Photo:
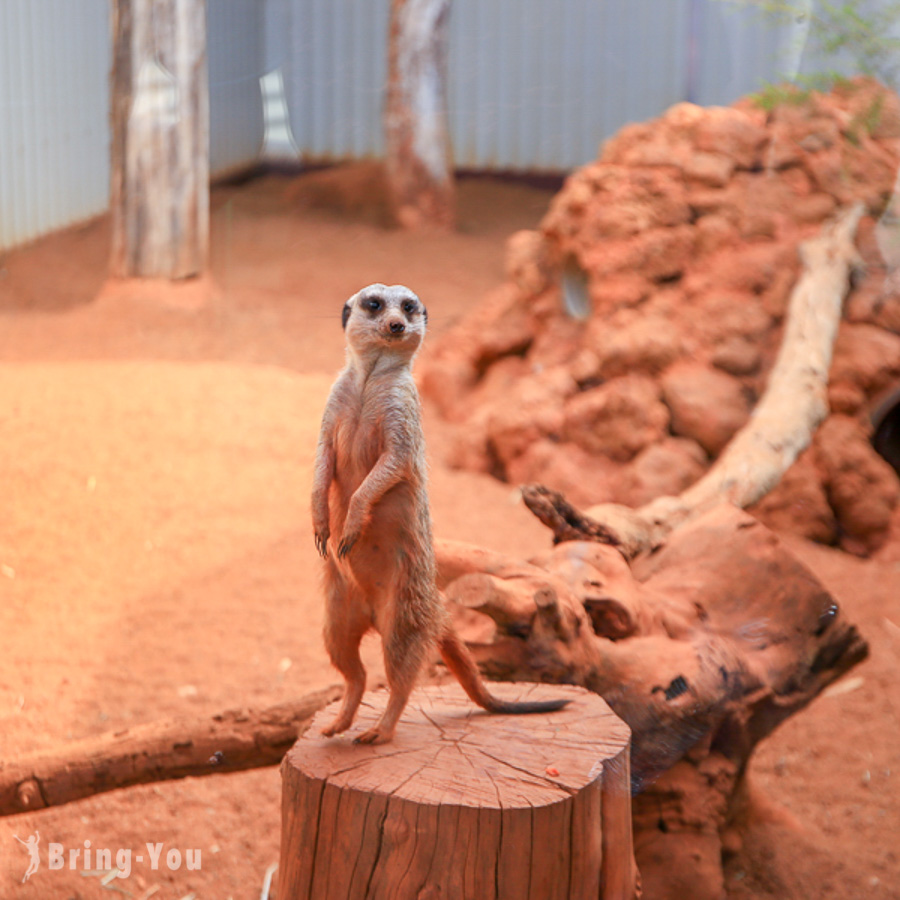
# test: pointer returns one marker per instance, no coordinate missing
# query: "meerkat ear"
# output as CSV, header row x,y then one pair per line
x,y
425,313
345,314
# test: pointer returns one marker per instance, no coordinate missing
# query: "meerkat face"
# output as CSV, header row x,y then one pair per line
x,y
385,318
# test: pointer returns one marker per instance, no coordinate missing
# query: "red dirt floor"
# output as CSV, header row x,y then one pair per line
x,y
156,554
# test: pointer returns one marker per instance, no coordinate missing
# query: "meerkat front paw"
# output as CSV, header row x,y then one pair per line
x,y
348,539
322,542
354,525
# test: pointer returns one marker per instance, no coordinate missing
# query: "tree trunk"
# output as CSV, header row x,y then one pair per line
x,y
159,751
419,166
462,804
160,139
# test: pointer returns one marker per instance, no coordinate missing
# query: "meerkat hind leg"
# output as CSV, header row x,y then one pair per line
x,y
400,689
349,664
404,655
342,639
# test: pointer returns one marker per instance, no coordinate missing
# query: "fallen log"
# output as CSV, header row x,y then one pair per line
x,y
159,751
781,427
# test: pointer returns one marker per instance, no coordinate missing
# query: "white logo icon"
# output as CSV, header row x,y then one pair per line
x,y
31,845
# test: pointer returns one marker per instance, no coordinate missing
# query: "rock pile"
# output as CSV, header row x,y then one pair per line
x,y
637,326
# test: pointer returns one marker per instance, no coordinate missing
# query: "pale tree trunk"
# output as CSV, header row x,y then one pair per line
x,y
419,164
160,139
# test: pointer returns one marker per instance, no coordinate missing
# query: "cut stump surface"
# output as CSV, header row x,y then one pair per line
x,y
462,803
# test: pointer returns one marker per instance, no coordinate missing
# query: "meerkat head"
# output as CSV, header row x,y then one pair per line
x,y
383,319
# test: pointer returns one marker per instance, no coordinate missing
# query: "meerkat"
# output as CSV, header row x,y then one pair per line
x,y
372,521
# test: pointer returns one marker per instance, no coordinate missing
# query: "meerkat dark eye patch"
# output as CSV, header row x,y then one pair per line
x,y
410,307
373,304
345,314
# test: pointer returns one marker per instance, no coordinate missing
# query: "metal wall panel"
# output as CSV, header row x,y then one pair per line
x,y
54,106
739,49
54,115
532,84
334,61
235,45
537,84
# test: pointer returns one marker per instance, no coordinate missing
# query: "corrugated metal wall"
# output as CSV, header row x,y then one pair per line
x,y
54,115
54,106
533,84
734,50
333,55
235,45
536,84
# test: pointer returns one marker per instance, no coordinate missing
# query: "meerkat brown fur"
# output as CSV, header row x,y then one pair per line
x,y
372,521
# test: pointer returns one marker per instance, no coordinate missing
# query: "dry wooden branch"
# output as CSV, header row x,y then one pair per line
x,y
159,751
783,422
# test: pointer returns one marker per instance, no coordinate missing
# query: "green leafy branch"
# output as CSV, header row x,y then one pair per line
x,y
867,32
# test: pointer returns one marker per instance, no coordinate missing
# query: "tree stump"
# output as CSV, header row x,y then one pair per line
x,y
462,803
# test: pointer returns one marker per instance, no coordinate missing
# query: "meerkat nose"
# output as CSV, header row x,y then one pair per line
x,y
397,328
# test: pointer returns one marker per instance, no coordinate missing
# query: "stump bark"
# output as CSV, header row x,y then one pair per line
x,y
462,804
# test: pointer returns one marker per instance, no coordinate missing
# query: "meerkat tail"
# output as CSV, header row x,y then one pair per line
x,y
460,662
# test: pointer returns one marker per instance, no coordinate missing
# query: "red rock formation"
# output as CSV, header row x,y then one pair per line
x,y
649,305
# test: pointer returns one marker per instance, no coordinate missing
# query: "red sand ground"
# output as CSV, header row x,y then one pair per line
x,y
156,557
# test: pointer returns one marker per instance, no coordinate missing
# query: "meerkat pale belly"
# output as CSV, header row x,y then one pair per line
x,y
371,516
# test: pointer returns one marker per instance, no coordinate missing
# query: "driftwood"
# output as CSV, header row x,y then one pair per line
x,y
782,425
722,616
462,804
160,751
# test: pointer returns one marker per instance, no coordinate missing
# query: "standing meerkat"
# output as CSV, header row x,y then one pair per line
x,y
370,494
